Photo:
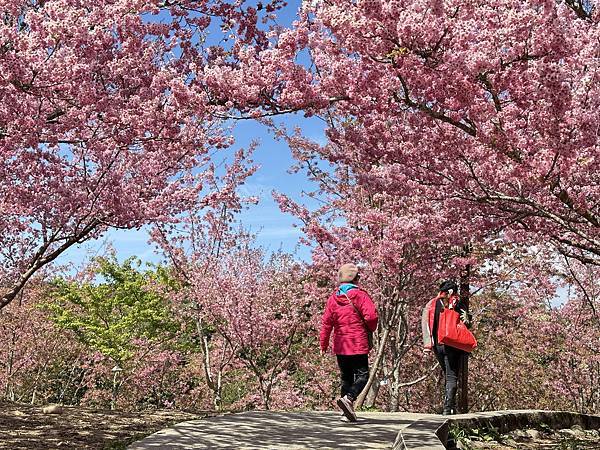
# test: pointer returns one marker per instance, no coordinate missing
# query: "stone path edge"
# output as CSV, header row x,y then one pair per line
x,y
432,433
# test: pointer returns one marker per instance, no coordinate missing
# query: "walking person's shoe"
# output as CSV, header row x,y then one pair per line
x,y
450,402
347,407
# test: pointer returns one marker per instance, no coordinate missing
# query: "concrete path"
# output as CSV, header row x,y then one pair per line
x,y
282,430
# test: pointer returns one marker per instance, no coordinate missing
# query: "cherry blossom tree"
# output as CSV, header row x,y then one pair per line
x,y
105,120
489,108
249,309
38,363
577,328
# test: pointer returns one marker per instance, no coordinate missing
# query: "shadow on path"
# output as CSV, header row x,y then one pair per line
x,y
275,430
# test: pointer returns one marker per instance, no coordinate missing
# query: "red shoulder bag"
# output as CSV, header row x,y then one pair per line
x,y
453,332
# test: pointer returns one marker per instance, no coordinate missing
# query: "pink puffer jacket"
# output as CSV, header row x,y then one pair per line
x,y
349,332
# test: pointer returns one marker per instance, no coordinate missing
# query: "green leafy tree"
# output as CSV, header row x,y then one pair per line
x,y
119,311
115,309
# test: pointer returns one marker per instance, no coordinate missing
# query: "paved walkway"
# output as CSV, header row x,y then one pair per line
x,y
282,430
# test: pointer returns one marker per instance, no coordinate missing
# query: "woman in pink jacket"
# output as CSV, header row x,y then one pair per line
x,y
351,314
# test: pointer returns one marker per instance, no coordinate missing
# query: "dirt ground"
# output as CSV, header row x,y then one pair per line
x,y
543,439
27,427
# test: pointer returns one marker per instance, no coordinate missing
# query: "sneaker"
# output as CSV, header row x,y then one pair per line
x,y
343,418
347,407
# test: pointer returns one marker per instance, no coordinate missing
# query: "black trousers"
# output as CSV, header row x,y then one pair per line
x,y
449,359
354,371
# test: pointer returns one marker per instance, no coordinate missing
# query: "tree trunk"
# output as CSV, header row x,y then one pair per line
x,y
463,378
219,390
208,375
395,389
113,400
41,258
10,392
372,394
374,368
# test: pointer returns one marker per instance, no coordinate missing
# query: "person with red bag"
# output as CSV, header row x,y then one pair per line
x,y
448,356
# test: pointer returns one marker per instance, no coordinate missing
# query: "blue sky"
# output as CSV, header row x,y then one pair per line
x,y
274,230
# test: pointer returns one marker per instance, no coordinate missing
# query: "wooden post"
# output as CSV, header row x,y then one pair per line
x,y
463,377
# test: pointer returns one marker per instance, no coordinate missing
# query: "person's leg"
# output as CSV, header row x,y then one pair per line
x,y
452,359
346,374
440,354
360,374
